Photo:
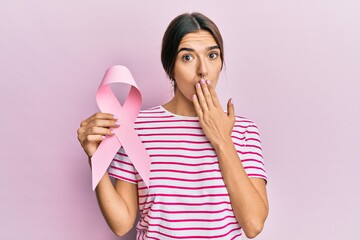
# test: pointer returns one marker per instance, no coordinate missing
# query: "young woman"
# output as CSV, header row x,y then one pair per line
x,y
207,175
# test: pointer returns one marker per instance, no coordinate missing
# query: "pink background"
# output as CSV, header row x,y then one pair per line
x,y
291,66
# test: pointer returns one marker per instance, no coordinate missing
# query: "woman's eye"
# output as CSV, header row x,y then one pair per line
x,y
213,55
187,58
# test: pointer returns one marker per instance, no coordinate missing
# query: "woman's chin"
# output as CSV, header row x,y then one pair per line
x,y
187,96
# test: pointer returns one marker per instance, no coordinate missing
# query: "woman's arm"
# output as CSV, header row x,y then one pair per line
x,y
118,202
248,197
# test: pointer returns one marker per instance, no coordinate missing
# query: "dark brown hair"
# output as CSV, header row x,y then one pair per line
x,y
177,29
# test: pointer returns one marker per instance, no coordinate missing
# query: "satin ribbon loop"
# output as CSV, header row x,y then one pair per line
x,y
125,135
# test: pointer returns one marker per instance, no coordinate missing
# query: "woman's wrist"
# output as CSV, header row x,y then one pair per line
x,y
222,145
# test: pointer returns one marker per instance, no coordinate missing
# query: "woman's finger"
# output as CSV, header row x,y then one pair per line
x,y
197,106
99,115
206,93
99,131
94,138
201,98
213,94
103,123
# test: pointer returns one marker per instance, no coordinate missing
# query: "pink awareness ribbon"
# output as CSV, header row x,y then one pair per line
x,y
125,135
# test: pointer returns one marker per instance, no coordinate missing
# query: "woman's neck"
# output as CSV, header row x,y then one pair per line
x,y
180,105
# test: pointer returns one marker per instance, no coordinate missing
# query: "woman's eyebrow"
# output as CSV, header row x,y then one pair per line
x,y
192,50
213,47
186,49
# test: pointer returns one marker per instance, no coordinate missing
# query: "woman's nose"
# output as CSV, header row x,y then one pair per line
x,y
202,70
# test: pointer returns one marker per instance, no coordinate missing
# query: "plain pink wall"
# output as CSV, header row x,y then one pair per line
x,y
291,66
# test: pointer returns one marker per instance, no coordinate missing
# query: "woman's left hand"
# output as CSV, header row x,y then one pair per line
x,y
216,124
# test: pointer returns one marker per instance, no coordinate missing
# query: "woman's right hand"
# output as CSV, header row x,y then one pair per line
x,y
94,129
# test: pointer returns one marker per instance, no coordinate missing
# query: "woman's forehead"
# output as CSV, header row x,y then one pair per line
x,y
198,39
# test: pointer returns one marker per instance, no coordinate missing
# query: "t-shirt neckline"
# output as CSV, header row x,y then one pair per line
x,y
178,116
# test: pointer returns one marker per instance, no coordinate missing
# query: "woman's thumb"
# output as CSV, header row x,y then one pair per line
x,y
230,108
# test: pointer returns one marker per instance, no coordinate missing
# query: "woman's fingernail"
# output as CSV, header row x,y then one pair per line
x,y
117,123
103,137
198,85
202,81
115,117
112,131
208,82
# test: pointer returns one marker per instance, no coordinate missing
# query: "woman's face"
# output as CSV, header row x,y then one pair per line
x,y
198,57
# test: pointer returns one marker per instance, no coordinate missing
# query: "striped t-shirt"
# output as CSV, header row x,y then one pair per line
x,y
187,197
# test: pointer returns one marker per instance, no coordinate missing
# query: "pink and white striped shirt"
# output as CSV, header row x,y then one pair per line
x,y
187,197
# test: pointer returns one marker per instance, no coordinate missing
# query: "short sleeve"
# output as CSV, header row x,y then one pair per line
x,y
246,138
122,168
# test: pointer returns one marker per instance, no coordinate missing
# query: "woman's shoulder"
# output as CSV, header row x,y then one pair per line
x,y
245,126
244,121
